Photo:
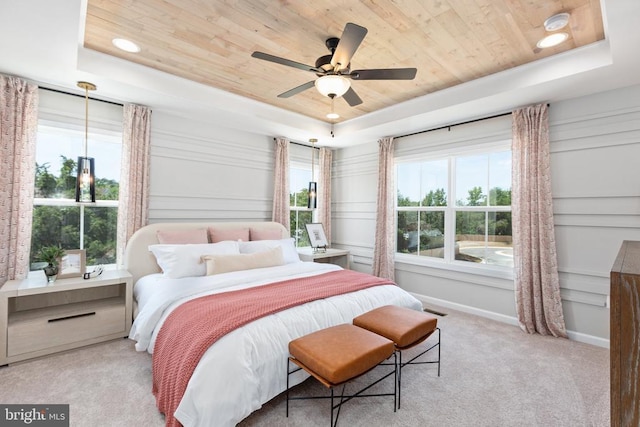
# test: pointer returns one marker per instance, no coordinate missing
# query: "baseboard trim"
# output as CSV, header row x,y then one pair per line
x,y
575,336
588,339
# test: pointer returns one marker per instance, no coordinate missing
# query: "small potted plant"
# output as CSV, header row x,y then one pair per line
x,y
52,256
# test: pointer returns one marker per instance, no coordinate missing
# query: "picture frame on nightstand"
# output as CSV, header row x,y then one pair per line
x,y
72,264
317,238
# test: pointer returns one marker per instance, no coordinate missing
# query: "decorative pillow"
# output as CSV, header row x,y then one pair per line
x,y
177,261
217,264
182,237
289,251
222,234
265,234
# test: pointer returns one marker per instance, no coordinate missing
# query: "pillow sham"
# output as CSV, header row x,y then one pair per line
x,y
182,237
217,264
222,234
177,261
265,234
289,251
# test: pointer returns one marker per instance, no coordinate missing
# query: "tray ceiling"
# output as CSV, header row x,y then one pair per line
x,y
449,41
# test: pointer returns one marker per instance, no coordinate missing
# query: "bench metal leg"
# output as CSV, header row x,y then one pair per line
x,y
411,362
345,399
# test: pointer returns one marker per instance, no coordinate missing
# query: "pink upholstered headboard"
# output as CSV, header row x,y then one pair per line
x,y
140,262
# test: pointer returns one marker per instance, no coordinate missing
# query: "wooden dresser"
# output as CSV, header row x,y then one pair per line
x,y
625,336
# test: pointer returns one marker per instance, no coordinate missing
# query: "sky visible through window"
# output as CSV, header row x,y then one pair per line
x,y
471,172
106,149
298,179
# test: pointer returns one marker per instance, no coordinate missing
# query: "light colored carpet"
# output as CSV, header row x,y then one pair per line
x,y
492,375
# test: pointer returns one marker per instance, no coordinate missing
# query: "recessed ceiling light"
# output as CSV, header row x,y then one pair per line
x,y
556,22
552,40
333,116
126,45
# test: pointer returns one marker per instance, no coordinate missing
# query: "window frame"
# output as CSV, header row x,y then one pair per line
x,y
98,130
293,164
449,262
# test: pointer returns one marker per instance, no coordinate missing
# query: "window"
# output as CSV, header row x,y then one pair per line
x,y
299,177
456,208
57,218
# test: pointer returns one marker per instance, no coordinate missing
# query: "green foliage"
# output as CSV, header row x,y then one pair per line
x,y
431,223
499,197
475,198
59,226
300,199
405,201
299,219
51,254
46,183
435,198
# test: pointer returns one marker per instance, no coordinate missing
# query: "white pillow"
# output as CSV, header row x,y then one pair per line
x,y
217,264
177,261
289,252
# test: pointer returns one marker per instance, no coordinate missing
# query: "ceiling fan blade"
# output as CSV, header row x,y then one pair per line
x,y
296,90
287,62
351,38
384,74
352,97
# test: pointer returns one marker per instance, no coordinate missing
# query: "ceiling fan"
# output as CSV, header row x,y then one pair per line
x,y
334,72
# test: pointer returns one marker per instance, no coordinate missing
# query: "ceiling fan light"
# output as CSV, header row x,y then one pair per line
x,y
333,85
552,40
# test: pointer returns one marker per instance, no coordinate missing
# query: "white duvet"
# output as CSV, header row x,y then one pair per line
x,y
247,367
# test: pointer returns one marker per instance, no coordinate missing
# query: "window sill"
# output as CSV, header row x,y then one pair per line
x,y
498,272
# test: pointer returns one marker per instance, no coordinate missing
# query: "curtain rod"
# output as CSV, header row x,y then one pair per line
x,y
79,95
457,124
301,144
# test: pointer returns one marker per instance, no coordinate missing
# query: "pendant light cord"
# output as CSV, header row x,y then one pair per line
x,y
87,87
86,121
313,160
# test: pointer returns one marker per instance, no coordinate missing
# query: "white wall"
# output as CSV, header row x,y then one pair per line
x,y
595,144
202,172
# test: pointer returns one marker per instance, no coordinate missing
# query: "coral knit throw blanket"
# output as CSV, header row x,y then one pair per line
x,y
195,325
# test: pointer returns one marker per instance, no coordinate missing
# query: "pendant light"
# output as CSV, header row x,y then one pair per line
x,y
313,186
86,178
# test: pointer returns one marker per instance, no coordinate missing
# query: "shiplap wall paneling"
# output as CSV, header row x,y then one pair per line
x,y
201,172
595,145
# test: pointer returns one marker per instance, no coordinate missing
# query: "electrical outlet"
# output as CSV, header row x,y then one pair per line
x,y
607,303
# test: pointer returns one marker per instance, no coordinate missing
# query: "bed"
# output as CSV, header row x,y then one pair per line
x,y
244,368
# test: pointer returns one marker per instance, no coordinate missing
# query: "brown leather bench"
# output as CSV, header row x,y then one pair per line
x,y
406,328
337,355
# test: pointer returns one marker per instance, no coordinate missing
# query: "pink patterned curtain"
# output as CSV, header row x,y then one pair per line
x,y
18,131
133,206
280,210
383,252
537,286
324,190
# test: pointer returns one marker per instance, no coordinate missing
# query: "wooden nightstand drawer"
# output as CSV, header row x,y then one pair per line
x,y
39,318
34,330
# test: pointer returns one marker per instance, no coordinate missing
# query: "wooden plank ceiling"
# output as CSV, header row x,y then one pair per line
x,y
448,41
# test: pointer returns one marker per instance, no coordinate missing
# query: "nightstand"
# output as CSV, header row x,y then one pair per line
x,y
39,318
334,256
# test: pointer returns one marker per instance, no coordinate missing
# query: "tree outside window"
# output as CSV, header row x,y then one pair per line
x,y
57,219
456,208
300,215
